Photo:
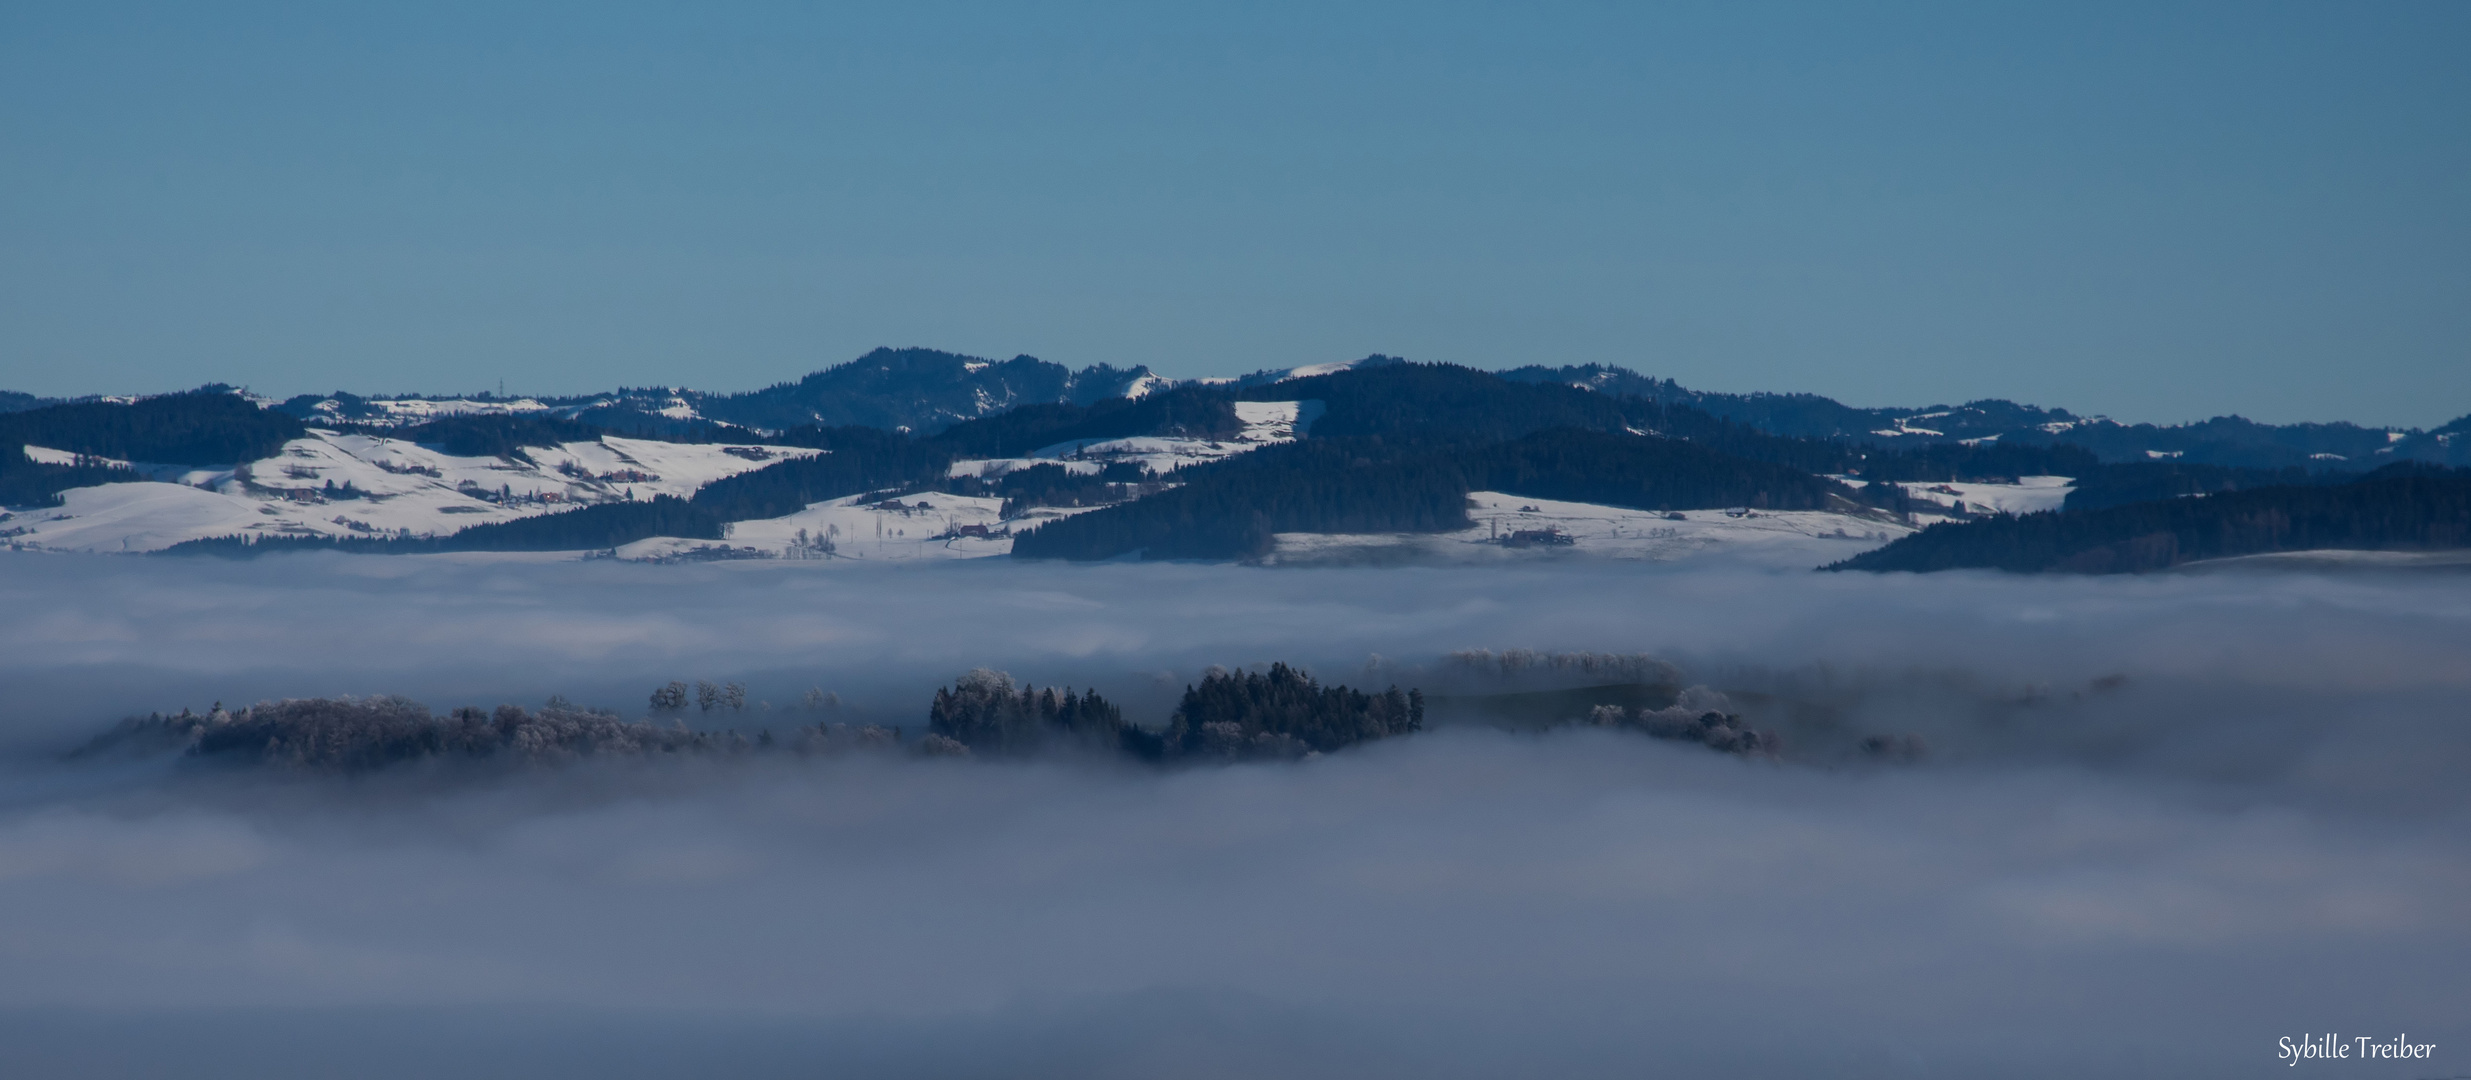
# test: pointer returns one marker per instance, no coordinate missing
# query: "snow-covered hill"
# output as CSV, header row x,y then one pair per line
x,y
1266,423
331,484
1512,528
923,527
2027,495
937,526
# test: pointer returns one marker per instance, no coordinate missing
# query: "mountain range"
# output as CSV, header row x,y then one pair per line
x,y
927,454
925,391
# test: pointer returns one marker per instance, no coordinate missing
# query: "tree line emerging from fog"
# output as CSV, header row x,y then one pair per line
x,y
1281,714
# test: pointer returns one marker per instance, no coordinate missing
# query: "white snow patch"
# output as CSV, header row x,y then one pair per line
x,y
2027,495
191,475
44,455
1147,385
1309,370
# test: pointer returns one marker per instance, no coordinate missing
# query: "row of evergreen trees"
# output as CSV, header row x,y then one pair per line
x,y
1279,714
1284,713
982,713
360,735
27,482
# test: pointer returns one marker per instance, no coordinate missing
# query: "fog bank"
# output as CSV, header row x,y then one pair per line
x,y
2162,822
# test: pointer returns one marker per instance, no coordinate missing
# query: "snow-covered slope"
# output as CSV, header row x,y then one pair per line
x,y
1265,423
940,526
1792,538
1269,376
330,484
2027,495
927,526
405,412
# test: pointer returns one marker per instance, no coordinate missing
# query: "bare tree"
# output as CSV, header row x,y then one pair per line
x,y
706,695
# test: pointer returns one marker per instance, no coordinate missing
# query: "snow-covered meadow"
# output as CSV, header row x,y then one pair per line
x,y
342,485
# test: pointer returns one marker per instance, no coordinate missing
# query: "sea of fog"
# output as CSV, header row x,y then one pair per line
x,y
2163,823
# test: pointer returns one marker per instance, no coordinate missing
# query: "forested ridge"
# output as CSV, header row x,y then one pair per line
x,y
207,426
1409,399
1230,509
2145,481
2400,507
1371,484
27,482
1284,713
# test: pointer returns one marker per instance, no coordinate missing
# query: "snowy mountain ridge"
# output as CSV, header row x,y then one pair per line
x,y
924,391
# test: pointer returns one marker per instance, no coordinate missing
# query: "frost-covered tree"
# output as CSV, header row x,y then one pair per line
x,y
670,698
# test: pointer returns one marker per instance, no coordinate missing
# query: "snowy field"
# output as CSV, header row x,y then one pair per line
x,y
1796,539
2028,495
2190,812
930,526
406,412
394,487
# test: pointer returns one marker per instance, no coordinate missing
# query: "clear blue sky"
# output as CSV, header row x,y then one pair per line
x,y
2154,211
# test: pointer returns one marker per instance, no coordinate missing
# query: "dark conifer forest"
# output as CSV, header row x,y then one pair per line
x,y
27,482
2400,508
982,713
1279,714
1284,713
207,426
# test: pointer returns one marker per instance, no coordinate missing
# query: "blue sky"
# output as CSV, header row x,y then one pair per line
x,y
2159,212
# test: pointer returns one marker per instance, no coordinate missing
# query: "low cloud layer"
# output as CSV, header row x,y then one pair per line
x,y
2162,822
